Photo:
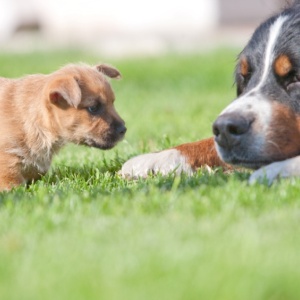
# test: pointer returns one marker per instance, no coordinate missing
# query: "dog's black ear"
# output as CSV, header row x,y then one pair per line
x,y
291,3
109,71
65,90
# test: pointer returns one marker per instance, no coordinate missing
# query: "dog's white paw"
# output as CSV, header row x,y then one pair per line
x,y
282,169
164,162
266,174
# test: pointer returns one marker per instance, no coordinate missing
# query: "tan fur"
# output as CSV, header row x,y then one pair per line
x,y
41,113
244,66
282,65
283,137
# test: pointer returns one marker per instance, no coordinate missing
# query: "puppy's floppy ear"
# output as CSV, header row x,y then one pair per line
x,y
65,90
109,71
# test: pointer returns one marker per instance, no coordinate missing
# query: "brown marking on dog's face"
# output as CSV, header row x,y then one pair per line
x,y
283,137
282,65
92,120
243,72
244,66
202,153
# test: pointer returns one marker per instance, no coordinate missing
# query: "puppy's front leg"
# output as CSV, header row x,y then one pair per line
x,y
184,158
10,174
283,169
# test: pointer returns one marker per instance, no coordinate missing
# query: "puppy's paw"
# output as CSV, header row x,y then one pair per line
x,y
281,169
164,162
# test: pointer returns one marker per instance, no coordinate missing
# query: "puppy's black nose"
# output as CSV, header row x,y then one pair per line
x,y
230,128
121,129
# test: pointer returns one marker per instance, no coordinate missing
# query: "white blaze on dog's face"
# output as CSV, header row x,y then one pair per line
x,y
262,125
81,101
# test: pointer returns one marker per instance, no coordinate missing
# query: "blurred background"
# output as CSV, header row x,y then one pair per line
x,y
131,27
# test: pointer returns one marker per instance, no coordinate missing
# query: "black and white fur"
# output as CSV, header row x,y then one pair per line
x,y
261,127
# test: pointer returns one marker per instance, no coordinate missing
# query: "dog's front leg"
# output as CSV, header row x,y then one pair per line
x,y
281,169
10,173
184,158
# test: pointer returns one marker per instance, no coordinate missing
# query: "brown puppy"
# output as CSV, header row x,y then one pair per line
x,y
41,113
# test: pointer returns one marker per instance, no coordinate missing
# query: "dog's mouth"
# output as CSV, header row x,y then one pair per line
x,y
101,146
104,144
252,160
249,164
245,161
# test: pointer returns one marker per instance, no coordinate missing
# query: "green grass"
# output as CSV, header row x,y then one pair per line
x,y
84,233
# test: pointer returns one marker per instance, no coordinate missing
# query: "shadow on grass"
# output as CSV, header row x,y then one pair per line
x,y
91,182
106,177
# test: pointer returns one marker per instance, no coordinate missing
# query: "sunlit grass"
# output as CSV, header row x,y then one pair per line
x,y
82,232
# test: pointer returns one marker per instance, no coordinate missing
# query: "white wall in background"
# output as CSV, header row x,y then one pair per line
x,y
76,19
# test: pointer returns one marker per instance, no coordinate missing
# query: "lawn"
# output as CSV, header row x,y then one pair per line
x,y
84,233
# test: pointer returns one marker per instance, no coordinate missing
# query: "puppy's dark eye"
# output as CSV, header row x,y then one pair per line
x,y
95,109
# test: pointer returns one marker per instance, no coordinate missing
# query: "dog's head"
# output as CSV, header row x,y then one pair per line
x,y
81,103
263,124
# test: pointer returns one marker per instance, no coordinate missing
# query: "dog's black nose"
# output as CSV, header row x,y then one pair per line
x,y
121,129
229,129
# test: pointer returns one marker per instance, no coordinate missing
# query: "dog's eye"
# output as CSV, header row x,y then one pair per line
x,y
241,82
291,80
95,109
246,77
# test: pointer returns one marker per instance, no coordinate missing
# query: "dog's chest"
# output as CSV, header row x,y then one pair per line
x,y
33,166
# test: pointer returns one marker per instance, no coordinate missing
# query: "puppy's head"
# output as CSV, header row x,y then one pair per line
x,y
81,103
263,124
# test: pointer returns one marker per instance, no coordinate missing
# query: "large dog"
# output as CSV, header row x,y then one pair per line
x,y
261,128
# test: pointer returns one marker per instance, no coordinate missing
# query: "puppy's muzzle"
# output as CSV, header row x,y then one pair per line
x,y
121,130
230,129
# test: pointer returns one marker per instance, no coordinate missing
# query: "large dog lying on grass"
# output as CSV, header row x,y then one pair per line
x,y
261,128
